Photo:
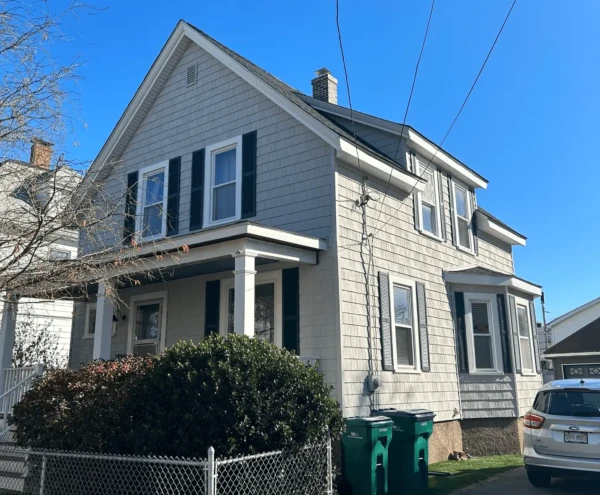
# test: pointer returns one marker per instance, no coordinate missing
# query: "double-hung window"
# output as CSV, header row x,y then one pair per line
x,y
428,201
523,322
223,175
152,206
462,216
404,317
483,333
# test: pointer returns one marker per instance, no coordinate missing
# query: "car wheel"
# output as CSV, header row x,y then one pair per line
x,y
539,478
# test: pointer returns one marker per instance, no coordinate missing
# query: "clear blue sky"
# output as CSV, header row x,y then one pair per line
x,y
530,127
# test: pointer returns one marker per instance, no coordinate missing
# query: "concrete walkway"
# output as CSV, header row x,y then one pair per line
x,y
515,482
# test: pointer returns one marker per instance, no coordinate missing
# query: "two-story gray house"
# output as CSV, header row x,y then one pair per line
x,y
271,195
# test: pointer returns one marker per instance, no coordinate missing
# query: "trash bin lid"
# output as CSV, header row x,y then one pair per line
x,y
415,414
369,419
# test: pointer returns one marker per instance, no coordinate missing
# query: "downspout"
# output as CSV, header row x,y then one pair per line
x,y
460,409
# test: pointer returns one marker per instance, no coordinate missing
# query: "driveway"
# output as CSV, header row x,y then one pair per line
x,y
515,483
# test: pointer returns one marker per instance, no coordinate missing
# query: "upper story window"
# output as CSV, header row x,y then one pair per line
x,y
462,216
523,322
403,311
483,333
223,177
152,206
428,201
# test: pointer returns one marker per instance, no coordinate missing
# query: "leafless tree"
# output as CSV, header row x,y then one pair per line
x,y
36,343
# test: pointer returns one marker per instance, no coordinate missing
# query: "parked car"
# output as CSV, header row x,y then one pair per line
x,y
562,431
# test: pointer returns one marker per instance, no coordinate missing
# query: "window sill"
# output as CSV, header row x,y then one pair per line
x,y
401,371
222,222
433,237
529,373
465,250
146,240
87,337
486,373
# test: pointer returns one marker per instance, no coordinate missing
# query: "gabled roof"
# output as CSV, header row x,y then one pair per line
x,y
573,312
584,340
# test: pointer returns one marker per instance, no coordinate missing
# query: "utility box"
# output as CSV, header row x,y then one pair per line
x,y
365,454
409,449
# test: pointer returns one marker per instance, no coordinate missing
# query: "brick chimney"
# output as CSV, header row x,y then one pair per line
x,y
325,86
41,153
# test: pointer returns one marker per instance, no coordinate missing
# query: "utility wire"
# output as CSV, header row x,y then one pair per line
x,y
438,147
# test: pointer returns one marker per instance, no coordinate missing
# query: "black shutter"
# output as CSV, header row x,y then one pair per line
x,y
512,306
453,231
130,208
212,299
291,309
474,222
440,176
249,174
386,322
197,194
173,196
534,331
461,332
504,335
423,330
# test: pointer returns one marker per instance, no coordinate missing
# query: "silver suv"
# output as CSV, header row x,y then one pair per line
x,y
562,432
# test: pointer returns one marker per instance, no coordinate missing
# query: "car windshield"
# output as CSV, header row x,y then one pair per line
x,y
569,403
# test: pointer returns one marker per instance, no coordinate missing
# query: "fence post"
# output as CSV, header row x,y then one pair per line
x,y
43,476
329,466
211,473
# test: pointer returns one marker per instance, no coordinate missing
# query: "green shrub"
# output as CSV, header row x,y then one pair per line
x,y
237,394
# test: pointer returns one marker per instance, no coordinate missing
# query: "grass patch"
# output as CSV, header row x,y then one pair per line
x,y
469,472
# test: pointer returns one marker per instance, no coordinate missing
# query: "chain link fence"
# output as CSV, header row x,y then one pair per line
x,y
306,471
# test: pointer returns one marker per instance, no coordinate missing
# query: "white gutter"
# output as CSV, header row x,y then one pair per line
x,y
572,354
494,229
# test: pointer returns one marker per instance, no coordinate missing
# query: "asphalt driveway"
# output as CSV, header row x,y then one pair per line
x,y
515,483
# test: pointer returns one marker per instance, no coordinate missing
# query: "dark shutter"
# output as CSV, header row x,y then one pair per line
x,y
212,299
534,331
291,309
453,231
461,332
130,208
440,177
173,196
423,329
249,175
386,322
474,222
504,335
197,194
512,306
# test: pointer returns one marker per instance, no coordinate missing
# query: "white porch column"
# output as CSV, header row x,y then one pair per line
x,y
243,322
104,324
7,337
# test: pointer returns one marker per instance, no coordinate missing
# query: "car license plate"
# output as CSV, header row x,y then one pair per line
x,y
573,437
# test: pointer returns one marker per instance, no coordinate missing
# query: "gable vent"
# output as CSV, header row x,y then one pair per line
x,y
191,75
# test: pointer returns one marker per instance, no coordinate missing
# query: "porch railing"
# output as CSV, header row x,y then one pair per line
x,y
16,383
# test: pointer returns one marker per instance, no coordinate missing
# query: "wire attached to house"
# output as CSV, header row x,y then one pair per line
x,y
438,147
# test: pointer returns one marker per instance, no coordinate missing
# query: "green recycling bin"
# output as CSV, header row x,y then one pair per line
x,y
409,449
365,454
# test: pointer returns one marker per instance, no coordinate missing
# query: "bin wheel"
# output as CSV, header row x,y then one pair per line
x,y
344,487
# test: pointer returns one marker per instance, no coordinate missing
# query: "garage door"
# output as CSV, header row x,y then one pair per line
x,y
581,370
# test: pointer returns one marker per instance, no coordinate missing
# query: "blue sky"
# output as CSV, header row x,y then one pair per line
x,y
530,126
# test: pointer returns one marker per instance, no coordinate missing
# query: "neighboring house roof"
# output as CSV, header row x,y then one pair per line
x,y
573,312
586,340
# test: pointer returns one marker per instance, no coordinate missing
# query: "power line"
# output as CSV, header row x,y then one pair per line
x,y
438,147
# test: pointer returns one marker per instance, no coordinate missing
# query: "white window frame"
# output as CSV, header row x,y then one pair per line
x,y
260,278
53,251
209,174
88,310
456,184
141,200
494,322
134,301
525,303
409,284
438,219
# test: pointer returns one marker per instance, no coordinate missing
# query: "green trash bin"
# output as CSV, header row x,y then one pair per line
x,y
409,449
365,454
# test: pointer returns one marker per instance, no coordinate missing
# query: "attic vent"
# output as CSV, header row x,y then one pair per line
x,y
191,75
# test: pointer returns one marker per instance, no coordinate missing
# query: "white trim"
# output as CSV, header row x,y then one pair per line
x,y
86,332
494,229
377,169
573,354
493,280
150,296
141,201
411,285
210,152
437,206
455,217
495,338
573,312
524,303
274,277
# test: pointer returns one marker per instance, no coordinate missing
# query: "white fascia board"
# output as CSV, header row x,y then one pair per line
x,y
375,168
428,150
572,354
496,230
573,312
492,280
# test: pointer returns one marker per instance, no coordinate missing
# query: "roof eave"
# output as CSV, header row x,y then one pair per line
x,y
497,230
510,281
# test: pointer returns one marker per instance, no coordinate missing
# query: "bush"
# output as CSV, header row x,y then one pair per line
x,y
237,394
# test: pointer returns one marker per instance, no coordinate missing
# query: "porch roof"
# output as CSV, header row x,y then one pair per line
x,y
479,275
